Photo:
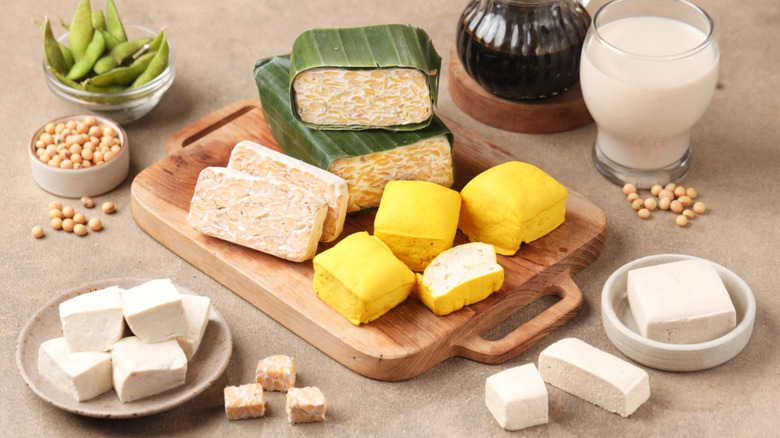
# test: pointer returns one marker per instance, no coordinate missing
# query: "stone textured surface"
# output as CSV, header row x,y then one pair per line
x,y
736,163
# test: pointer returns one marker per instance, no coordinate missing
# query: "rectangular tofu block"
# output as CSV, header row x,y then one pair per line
x,y
245,401
82,375
141,370
93,321
273,217
276,373
197,310
262,162
305,405
154,311
517,397
680,302
595,376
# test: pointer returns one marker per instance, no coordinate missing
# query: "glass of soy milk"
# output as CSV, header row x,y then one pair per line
x,y
648,72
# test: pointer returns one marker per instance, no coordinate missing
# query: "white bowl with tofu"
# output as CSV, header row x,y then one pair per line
x,y
622,329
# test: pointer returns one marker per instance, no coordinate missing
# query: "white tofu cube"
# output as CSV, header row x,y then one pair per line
x,y
196,310
517,397
594,376
154,311
93,321
680,302
82,375
141,370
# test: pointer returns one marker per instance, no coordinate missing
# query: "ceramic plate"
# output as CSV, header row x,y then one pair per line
x,y
204,369
622,330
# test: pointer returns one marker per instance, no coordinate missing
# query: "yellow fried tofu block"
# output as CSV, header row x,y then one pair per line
x,y
462,275
510,204
360,278
417,220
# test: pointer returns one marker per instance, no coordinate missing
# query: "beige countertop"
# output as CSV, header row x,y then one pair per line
x,y
736,164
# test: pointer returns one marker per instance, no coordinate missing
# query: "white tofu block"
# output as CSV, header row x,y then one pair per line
x,y
154,311
680,302
196,311
517,397
93,321
141,370
82,375
595,376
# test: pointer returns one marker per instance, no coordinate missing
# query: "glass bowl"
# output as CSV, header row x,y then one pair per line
x,y
122,107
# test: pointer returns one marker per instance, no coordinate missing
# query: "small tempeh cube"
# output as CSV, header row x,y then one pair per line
x,y
245,401
305,405
276,373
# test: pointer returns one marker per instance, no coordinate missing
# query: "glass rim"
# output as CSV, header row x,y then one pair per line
x,y
708,40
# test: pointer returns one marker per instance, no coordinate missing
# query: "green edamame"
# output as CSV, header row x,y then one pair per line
x,y
156,66
67,54
64,79
93,52
111,40
157,41
51,50
119,54
123,75
98,20
114,23
80,29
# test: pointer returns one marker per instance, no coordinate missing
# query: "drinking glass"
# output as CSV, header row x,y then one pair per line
x,y
648,72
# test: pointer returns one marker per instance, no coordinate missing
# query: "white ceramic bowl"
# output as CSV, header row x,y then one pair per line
x,y
622,330
90,181
122,107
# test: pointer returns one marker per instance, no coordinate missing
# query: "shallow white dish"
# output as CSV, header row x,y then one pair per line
x,y
208,364
622,330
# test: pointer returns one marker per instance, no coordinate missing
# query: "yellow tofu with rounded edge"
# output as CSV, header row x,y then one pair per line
x,y
360,278
462,275
417,220
510,204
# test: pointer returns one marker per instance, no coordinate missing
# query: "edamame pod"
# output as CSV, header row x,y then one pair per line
x,y
51,50
80,31
119,54
123,75
67,54
111,41
114,23
157,41
98,20
84,65
64,79
156,66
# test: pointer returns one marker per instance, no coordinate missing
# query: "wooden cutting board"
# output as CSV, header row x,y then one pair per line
x,y
409,339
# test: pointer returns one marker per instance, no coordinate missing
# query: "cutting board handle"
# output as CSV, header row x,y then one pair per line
x,y
473,346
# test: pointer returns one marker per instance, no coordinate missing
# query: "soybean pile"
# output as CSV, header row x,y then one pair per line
x,y
100,58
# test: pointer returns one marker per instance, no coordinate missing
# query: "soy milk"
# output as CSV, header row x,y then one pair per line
x,y
646,96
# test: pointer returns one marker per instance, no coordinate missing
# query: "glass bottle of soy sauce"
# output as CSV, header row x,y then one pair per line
x,y
522,49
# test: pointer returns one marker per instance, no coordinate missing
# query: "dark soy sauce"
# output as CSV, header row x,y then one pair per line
x,y
536,56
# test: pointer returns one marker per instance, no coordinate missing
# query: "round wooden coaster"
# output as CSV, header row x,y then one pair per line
x,y
555,114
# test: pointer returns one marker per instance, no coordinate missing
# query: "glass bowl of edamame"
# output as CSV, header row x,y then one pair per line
x,y
125,102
